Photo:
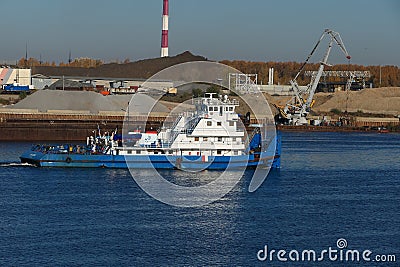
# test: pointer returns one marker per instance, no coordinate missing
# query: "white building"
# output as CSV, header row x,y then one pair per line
x,y
10,76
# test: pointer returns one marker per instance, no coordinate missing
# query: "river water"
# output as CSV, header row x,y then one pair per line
x,y
331,186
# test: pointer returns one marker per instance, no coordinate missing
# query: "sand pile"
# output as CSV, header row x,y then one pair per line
x,y
377,100
46,100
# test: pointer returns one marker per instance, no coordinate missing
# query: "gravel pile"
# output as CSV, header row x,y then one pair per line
x,y
377,100
45,100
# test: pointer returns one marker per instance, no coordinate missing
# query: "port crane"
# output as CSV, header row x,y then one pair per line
x,y
296,109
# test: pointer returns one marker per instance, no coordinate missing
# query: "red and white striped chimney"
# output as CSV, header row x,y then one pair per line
x,y
164,36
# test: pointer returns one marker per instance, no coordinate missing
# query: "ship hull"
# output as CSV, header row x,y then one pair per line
x,y
41,159
269,158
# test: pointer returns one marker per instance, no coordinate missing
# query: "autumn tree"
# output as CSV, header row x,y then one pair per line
x,y
78,62
285,71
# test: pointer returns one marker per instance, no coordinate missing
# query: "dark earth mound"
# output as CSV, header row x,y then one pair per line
x,y
142,69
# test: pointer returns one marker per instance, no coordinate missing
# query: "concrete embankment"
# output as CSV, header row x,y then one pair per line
x,y
62,127
310,128
45,131
74,127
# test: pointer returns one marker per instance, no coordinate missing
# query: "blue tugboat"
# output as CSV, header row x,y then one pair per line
x,y
207,138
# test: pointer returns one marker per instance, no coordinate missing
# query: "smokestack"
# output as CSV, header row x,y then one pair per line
x,y
272,76
164,36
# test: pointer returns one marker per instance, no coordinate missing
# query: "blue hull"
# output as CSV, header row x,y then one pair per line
x,y
146,162
90,160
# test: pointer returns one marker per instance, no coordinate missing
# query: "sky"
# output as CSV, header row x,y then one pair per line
x,y
251,30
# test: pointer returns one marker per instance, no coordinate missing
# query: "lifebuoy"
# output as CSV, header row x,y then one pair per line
x,y
68,160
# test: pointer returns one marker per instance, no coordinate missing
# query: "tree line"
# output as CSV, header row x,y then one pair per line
x,y
381,76
83,62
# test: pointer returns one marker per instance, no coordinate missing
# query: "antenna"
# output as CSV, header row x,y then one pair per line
x,y
69,57
26,54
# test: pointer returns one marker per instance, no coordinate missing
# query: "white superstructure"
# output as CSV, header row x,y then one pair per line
x,y
211,130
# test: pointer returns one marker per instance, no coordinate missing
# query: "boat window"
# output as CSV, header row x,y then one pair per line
x,y
219,152
231,123
215,108
220,110
230,108
209,123
205,138
129,151
196,139
235,152
218,123
219,139
138,151
210,108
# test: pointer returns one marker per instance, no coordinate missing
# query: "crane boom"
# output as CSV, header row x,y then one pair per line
x,y
335,36
301,107
310,55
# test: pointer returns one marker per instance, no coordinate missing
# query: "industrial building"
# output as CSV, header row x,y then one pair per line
x,y
10,75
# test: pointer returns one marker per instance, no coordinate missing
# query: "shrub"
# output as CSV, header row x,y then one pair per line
x,y
197,92
22,95
336,111
4,101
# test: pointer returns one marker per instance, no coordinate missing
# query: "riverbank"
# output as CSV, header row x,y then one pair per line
x,y
76,127
311,128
